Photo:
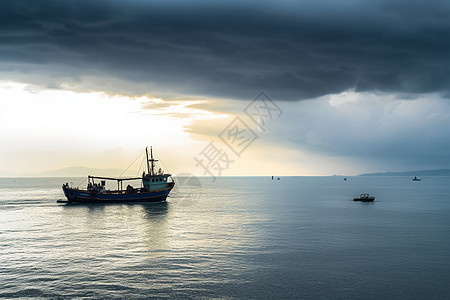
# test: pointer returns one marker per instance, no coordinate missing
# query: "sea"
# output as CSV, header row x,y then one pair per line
x,y
232,238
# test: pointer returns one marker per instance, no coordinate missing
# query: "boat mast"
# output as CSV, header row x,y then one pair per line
x,y
152,160
148,166
151,171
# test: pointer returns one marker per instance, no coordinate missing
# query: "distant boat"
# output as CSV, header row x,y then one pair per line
x,y
416,179
345,178
364,198
156,186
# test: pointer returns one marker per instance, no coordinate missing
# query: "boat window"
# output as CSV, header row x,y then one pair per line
x,y
153,179
165,179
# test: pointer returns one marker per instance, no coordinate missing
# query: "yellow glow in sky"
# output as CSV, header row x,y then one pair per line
x,y
56,129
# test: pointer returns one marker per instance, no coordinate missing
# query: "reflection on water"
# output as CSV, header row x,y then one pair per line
x,y
158,209
243,238
110,227
156,227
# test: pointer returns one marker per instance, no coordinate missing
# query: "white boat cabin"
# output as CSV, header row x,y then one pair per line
x,y
155,182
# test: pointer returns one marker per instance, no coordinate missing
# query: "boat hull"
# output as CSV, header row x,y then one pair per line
x,y
84,196
370,199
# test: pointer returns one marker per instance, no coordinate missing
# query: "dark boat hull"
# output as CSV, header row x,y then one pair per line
x,y
84,196
370,199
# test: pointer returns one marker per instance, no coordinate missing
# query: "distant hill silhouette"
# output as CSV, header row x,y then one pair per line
x,y
76,171
84,171
441,172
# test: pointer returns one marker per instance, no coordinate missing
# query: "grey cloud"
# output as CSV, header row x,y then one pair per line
x,y
403,134
294,50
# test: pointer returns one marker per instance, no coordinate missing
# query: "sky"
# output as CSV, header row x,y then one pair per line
x,y
222,88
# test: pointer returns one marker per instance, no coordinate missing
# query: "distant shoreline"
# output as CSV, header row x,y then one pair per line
x,y
440,172
385,174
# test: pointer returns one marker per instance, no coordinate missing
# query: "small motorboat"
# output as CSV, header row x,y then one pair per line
x,y
364,198
416,179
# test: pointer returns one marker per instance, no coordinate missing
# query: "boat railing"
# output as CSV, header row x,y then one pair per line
x,y
120,190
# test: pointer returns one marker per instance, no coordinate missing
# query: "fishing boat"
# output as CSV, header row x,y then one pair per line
x,y
364,198
155,186
416,179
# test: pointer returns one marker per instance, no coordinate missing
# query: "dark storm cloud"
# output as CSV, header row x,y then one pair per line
x,y
295,50
385,131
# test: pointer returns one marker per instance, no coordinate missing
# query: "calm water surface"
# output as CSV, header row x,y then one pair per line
x,y
240,237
